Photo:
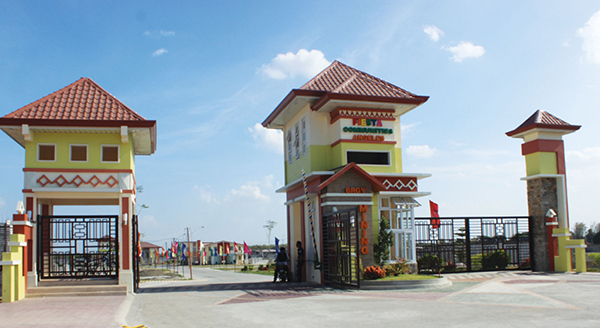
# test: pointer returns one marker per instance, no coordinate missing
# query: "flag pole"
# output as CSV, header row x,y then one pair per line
x,y
189,252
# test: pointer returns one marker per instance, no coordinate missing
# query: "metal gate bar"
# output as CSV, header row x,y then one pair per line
x,y
78,246
340,248
462,242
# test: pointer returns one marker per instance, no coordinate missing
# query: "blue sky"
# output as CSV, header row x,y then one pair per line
x,y
208,72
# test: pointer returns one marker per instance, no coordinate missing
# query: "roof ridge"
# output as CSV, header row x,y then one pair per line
x,y
83,99
323,72
347,82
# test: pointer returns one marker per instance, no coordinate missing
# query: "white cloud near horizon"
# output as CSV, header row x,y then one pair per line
x,y
304,63
160,52
465,50
433,32
421,151
590,34
267,138
159,34
249,191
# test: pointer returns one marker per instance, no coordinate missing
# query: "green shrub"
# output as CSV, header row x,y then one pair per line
x,y
251,267
476,262
497,260
260,267
432,263
245,268
595,257
396,268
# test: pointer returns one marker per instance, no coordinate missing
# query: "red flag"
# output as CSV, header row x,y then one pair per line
x,y
435,221
245,248
234,247
227,248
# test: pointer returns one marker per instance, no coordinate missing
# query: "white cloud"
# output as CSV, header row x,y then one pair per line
x,y
433,32
160,52
421,151
269,138
207,196
159,34
251,190
466,50
304,63
591,39
585,154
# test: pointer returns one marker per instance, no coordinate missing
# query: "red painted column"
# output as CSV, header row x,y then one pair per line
x,y
552,242
21,225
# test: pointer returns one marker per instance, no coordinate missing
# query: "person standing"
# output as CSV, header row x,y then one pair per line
x,y
299,261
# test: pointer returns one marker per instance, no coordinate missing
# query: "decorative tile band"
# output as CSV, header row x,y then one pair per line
x,y
78,181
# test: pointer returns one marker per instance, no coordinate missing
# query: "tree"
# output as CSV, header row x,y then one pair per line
x,y
592,232
385,240
579,231
269,226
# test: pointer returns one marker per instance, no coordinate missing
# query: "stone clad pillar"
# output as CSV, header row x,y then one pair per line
x,y
546,180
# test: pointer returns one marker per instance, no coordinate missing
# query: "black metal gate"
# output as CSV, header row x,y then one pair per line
x,y
472,243
340,248
136,254
78,246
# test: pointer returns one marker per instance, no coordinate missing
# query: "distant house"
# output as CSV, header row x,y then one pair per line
x,y
149,252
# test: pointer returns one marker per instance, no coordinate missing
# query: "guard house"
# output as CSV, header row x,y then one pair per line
x,y
80,145
342,129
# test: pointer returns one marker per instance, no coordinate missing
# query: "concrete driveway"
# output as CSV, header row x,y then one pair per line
x,y
504,299
226,299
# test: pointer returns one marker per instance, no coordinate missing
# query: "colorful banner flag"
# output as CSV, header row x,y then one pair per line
x,y
435,221
276,245
221,250
183,247
245,248
235,247
227,248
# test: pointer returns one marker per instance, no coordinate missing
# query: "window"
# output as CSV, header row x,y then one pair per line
x,y
368,157
289,146
78,153
46,153
399,212
110,154
297,141
303,137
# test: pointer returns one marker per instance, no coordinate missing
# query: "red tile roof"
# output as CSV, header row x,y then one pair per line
x,y
544,120
83,100
343,83
343,79
375,184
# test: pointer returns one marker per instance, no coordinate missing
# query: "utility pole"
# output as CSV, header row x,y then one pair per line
x,y
189,252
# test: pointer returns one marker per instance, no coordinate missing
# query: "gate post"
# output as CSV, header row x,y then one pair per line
x,y
468,245
546,178
13,279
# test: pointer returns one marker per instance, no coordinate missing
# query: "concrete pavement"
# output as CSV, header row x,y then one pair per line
x,y
225,299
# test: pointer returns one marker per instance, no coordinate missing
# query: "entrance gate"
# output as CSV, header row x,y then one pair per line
x,y
78,246
467,243
340,248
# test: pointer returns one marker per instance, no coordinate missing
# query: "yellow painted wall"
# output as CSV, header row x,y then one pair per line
x,y
541,163
94,143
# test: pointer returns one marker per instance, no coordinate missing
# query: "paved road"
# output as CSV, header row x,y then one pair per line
x,y
226,299
507,299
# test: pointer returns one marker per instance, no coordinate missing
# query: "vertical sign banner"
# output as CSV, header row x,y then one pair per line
x,y
316,263
435,221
